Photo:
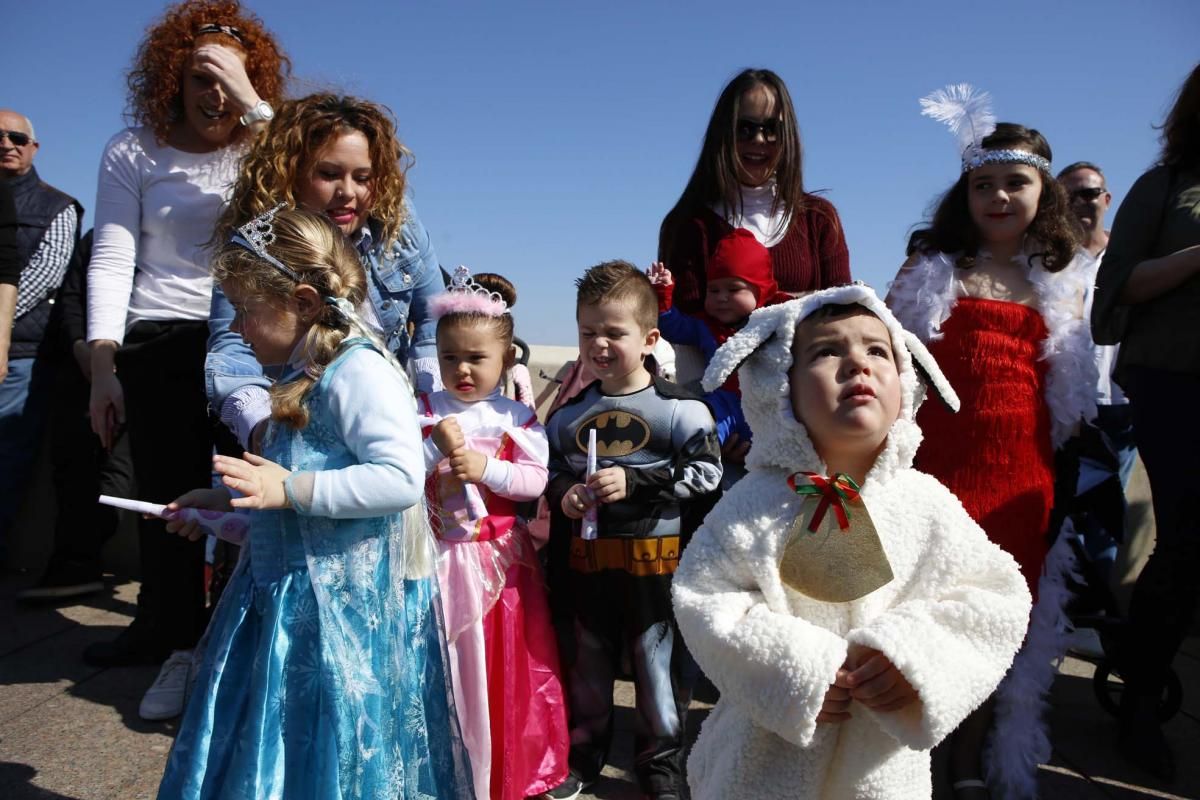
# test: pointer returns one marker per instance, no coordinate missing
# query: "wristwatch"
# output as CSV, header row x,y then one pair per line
x,y
260,112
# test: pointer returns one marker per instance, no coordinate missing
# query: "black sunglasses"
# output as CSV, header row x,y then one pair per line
x,y
1086,195
747,129
16,137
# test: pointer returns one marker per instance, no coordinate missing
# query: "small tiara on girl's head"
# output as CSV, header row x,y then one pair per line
x,y
465,296
968,114
257,234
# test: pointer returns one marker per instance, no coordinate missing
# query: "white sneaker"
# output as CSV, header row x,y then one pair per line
x,y
164,699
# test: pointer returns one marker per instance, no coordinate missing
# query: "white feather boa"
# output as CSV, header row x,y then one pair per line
x,y
923,296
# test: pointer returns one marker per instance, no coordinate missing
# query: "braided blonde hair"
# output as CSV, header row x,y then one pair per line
x,y
321,257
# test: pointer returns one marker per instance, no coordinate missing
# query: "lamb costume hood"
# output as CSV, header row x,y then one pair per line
x,y
951,619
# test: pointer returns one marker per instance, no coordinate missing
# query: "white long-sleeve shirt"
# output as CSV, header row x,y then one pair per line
x,y
156,208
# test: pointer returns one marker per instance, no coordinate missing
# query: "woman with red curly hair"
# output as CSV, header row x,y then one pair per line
x,y
204,77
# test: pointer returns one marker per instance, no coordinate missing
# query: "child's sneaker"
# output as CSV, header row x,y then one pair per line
x,y
164,699
569,789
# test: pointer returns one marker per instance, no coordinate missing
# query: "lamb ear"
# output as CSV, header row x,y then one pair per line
x,y
759,330
929,371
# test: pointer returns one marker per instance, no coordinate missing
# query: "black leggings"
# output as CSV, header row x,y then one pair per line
x,y
1167,432
161,368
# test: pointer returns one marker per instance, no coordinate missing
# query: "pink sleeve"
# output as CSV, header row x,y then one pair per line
x,y
529,475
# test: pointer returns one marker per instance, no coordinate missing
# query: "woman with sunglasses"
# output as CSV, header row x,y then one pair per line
x,y
749,175
204,77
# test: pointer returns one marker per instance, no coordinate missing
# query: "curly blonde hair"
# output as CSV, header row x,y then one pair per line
x,y
286,153
155,92
315,249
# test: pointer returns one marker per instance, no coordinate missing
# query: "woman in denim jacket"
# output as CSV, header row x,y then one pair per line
x,y
338,156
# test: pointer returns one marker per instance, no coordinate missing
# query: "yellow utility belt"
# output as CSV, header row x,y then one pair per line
x,y
640,557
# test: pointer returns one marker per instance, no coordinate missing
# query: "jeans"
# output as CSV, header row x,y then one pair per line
x,y
24,396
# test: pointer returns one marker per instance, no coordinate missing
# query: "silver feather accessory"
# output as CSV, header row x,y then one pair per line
x,y
258,234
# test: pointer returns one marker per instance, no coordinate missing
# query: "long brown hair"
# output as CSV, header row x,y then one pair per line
x,y
951,230
715,177
1181,129
285,152
155,96
315,249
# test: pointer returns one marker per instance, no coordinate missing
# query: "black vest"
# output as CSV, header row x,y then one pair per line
x,y
37,205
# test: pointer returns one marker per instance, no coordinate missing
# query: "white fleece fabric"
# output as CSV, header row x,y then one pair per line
x,y
951,619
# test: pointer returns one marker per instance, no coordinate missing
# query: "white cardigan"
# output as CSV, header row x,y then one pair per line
x,y
951,620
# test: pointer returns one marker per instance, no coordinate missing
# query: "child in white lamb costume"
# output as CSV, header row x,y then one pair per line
x,y
948,624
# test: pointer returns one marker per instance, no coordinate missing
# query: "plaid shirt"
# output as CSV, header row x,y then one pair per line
x,y
44,273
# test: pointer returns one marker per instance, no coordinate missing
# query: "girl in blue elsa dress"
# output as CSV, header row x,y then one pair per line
x,y
324,669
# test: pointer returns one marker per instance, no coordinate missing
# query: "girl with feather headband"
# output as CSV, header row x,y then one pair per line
x,y
846,605
995,286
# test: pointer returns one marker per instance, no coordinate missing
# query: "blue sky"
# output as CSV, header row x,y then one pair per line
x,y
551,136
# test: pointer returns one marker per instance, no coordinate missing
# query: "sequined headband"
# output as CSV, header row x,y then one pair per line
x,y
973,159
257,234
465,296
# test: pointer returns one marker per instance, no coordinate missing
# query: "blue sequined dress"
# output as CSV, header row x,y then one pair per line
x,y
324,669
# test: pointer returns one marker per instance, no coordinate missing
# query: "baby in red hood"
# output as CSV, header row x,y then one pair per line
x,y
739,279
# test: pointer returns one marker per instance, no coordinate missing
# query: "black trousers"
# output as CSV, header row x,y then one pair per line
x,y
82,470
161,368
1167,432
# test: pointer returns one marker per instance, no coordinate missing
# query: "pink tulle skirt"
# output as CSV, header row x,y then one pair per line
x,y
504,664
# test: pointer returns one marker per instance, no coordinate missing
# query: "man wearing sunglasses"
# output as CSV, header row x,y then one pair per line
x,y
1089,199
47,232
1106,450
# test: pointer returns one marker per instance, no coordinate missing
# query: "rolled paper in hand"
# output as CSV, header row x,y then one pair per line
x,y
589,529
476,510
232,526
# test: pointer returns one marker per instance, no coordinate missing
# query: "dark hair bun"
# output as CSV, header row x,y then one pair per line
x,y
498,284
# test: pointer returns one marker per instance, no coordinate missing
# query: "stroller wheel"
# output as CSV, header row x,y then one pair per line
x,y
1108,691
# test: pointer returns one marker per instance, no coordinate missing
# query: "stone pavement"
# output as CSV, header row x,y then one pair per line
x,y
71,732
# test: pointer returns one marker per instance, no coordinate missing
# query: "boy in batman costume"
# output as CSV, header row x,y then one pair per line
x,y
658,468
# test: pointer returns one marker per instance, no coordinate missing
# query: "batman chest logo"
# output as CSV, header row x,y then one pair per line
x,y
618,433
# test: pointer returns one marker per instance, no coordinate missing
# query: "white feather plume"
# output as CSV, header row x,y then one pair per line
x,y
966,111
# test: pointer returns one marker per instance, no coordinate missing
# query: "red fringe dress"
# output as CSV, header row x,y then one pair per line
x,y
995,454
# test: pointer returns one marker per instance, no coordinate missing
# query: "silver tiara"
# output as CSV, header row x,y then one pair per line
x,y
258,234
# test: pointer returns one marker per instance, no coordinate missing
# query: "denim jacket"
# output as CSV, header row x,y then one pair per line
x,y
401,280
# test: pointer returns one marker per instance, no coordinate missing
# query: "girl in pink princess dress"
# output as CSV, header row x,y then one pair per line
x,y
484,455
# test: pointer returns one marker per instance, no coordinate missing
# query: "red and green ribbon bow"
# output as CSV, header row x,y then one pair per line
x,y
834,492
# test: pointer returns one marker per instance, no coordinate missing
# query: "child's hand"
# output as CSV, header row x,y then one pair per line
x,y
734,450
447,436
577,501
658,273
876,683
467,465
258,480
608,484
214,499
836,706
